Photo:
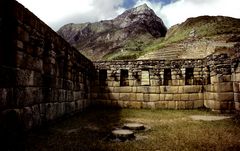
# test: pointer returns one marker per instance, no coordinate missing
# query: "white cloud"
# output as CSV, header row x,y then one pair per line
x,y
56,13
178,11
182,9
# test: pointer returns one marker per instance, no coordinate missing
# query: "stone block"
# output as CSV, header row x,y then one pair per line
x,y
140,89
175,82
154,97
209,96
172,105
36,115
134,89
145,89
201,96
198,104
20,58
79,106
154,89
226,96
24,77
192,89
161,97
22,34
182,82
168,97
169,89
228,106
28,95
162,104
125,89
207,103
180,104
237,97
146,97
6,97
181,89
148,105
27,117
236,87
184,97
189,104
116,84
214,79
237,106
139,96
124,96
193,96
19,44
135,104
109,83
176,97
225,78
114,96
132,97
224,87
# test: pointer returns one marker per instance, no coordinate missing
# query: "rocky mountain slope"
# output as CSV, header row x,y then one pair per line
x,y
196,38
121,38
139,34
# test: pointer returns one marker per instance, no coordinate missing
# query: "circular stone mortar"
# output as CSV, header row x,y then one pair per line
x,y
134,126
123,134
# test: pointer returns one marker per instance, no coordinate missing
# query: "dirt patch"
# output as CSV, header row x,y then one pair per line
x,y
209,118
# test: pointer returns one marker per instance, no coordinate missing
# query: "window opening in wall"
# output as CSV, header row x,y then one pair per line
x,y
145,78
103,77
167,77
189,76
124,78
208,75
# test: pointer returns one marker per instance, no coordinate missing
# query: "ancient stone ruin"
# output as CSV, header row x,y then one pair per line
x,y
42,77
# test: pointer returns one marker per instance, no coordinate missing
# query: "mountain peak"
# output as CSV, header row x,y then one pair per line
x,y
141,8
98,40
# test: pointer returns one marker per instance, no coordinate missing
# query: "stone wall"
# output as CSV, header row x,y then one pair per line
x,y
41,76
146,86
212,82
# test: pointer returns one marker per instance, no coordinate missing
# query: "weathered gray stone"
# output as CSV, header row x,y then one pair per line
x,y
236,87
172,105
237,97
154,97
224,87
198,104
193,96
27,116
139,96
162,104
226,96
124,96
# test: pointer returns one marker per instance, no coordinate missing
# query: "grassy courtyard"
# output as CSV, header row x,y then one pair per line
x,y
165,130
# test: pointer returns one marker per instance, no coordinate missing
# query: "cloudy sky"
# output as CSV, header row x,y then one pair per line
x,y
56,13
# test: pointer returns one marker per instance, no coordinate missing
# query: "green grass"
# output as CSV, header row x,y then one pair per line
x,y
169,130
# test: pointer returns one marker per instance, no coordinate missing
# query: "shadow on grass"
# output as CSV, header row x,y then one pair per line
x,y
84,131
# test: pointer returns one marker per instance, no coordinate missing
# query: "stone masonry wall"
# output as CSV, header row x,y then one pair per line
x,y
41,76
213,83
173,94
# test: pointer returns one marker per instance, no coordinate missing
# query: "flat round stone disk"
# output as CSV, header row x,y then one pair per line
x,y
123,134
134,126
